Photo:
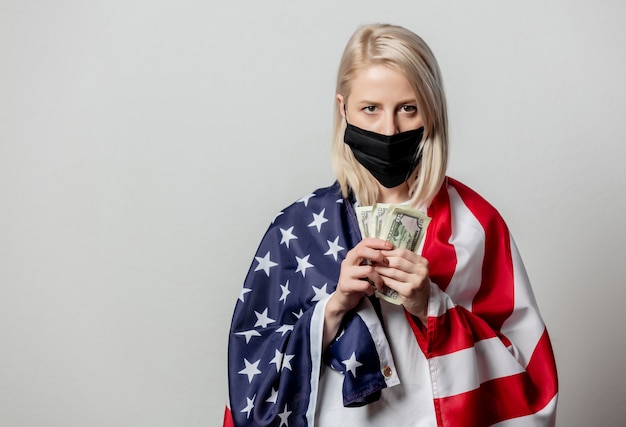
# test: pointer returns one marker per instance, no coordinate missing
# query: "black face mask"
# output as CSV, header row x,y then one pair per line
x,y
390,159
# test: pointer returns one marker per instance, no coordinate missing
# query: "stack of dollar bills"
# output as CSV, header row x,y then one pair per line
x,y
401,225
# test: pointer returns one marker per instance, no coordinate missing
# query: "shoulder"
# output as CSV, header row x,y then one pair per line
x,y
328,198
463,200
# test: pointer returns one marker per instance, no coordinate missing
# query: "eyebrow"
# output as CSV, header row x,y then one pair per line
x,y
403,102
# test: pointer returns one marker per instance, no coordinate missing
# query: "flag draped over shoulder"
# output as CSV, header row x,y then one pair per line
x,y
487,348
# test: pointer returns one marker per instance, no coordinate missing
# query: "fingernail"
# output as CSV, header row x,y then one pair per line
x,y
386,261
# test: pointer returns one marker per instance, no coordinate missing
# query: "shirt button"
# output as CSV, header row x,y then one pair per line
x,y
387,371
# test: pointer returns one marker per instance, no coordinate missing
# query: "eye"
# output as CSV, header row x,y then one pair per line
x,y
370,109
408,109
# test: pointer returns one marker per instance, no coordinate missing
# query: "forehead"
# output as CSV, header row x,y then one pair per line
x,y
381,84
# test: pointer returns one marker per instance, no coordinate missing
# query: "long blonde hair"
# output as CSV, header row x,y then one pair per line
x,y
403,51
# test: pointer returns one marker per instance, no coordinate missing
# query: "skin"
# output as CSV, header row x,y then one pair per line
x,y
380,100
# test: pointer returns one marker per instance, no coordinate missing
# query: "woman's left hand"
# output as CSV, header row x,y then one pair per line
x,y
407,274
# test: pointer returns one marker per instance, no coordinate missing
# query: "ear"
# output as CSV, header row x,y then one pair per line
x,y
342,106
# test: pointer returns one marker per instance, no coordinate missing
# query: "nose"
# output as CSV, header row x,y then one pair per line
x,y
390,125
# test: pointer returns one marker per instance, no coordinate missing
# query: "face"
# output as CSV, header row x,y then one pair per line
x,y
382,101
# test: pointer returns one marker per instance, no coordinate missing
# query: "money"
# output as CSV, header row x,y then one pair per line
x,y
363,216
401,225
379,213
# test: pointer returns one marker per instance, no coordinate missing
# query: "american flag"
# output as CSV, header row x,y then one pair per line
x,y
485,338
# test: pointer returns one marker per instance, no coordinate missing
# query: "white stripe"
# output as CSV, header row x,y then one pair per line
x,y
465,370
366,312
544,418
468,239
315,341
438,302
525,326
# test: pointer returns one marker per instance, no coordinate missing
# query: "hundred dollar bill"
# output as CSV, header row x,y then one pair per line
x,y
364,216
405,228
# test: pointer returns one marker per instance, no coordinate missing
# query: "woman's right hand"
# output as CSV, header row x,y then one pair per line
x,y
357,279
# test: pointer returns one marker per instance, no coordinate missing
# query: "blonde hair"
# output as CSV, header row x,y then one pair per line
x,y
405,52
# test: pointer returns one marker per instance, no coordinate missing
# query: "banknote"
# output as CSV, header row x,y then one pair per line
x,y
379,212
364,216
405,228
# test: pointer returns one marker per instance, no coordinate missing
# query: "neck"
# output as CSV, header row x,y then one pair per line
x,y
399,194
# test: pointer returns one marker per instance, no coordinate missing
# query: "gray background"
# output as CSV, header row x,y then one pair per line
x,y
146,145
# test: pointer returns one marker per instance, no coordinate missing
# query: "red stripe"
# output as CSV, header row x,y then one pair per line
x,y
494,301
508,397
437,249
465,409
456,330
228,418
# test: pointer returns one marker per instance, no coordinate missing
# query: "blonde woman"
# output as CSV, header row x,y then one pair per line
x,y
310,344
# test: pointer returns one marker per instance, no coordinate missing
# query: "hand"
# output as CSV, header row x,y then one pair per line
x,y
407,273
357,278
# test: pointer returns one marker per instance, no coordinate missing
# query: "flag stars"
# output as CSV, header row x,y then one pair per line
x,y
276,217
285,292
298,314
284,417
320,293
287,236
243,292
262,319
249,406
334,248
282,360
250,370
303,264
273,397
352,364
265,263
284,329
305,199
318,220
249,334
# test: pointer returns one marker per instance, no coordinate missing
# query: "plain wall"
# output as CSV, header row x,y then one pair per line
x,y
146,145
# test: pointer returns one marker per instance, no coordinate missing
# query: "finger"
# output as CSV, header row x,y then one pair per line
x,y
376,243
392,273
365,250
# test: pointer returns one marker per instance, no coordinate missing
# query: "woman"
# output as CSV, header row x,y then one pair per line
x,y
311,345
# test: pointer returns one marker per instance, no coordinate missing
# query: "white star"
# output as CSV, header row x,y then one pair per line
x,y
287,361
249,334
334,248
286,291
273,397
244,291
284,329
299,314
320,293
287,236
305,199
265,263
318,220
282,360
352,364
277,215
262,319
303,264
339,201
250,370
277,360
249,406
284,416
